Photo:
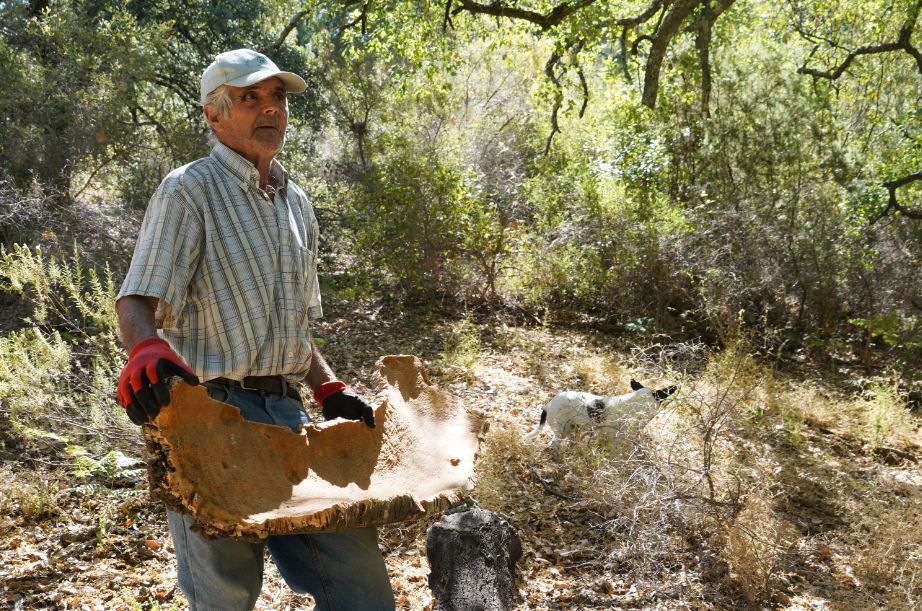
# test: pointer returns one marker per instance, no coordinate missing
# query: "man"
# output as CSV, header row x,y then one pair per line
x,y
225,267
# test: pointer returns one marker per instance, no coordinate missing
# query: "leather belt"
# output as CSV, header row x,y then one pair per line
x,y
277,385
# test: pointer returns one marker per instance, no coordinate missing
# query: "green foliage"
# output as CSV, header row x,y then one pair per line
x,y
63,293
108,468
886,414
152,604
75,80
434,229
409,204
755,216
424,149
103,522
104,94
460,350
890,328
59,372
33,366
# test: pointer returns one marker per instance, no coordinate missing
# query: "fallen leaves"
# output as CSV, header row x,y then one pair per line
x,y
152,544
105,548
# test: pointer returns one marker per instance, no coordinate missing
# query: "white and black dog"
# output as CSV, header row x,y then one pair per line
x,y
570,409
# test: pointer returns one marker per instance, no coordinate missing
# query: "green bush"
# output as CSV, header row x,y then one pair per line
x,y
59,373
423,225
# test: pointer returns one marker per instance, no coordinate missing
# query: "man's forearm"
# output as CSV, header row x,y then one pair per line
x,y
136,319
319,371
336,400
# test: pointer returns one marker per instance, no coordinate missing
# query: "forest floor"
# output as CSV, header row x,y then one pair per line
x,y
806,495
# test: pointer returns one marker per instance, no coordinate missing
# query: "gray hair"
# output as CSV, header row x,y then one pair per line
x,y
220,99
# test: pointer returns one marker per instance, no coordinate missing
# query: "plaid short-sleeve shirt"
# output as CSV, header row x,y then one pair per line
x,y
235,270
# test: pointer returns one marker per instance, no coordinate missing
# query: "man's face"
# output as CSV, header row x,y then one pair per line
x,y
256,121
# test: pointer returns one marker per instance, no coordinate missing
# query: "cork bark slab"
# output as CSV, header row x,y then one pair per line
x,y
251,480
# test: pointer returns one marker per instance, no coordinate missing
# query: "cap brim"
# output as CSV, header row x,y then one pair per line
x,y
293,83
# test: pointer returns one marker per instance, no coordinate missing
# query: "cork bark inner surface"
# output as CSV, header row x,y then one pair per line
x,y
251,480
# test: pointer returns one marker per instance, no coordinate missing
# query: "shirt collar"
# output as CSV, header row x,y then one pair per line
x,y
244,171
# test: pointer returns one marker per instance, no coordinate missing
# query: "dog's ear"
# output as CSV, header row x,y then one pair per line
x,y
635,385
662,393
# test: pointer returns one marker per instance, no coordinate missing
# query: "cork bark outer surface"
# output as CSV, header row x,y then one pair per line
x,y
251,480
472,556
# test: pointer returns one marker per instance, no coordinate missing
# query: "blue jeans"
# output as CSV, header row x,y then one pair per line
x,y
342,570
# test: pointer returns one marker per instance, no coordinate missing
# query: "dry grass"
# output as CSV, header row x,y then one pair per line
x,y
750,489
886,548
730,486
887,417
28,496
602,375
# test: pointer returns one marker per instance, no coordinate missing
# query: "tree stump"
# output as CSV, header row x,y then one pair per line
x,y
472,556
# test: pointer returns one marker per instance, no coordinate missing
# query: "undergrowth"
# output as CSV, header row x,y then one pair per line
x,y
710,486
747,488
58,372
31,499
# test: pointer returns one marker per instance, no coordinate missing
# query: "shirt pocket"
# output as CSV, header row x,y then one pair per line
x,y
306,264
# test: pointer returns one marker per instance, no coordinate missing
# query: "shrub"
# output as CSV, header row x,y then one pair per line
x,y
427,227
30,496
886,415
460,351
59,372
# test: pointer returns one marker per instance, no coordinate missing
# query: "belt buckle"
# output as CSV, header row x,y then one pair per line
x,y
282,380
243,384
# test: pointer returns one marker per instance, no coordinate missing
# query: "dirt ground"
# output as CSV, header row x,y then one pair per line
x,y
77,540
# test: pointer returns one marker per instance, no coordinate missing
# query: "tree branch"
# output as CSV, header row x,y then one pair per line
x,y
636,44
841,68
545,22
674,13
810,36
181,89
647,37
902,43
893,204
643,17
292,23
582,82
703,41
622,56
552,63
661,39
558,98
362,18
446,20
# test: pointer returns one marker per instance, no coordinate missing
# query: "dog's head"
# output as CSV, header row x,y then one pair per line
x,y
658,395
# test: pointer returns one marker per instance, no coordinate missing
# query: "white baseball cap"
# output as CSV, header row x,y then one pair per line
x,y
244,67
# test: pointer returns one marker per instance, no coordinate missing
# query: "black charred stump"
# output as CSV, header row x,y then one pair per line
x,y
472,556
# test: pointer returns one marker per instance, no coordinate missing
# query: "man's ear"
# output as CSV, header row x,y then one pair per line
x,y
211,117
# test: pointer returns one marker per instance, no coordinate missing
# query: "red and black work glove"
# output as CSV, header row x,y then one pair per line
x,y
142,385
337,401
